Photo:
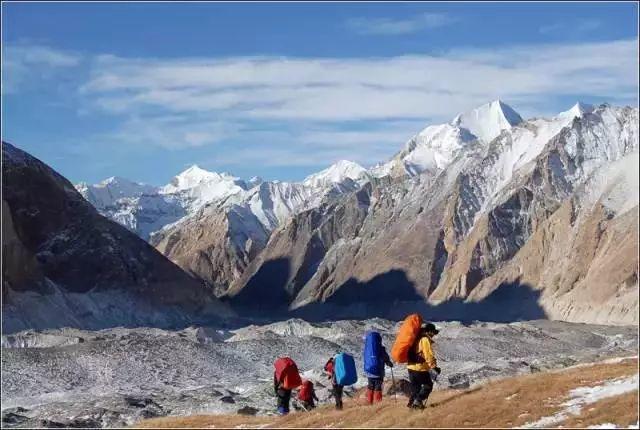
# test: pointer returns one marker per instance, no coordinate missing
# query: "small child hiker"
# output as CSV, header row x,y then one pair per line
x,y
307,395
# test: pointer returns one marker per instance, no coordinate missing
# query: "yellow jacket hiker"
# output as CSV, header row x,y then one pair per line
x,y
426,352
421,362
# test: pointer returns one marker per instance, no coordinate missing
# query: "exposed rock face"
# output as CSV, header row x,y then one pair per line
x,y
64,264
214,245
469,232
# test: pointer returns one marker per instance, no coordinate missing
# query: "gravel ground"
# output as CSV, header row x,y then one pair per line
x,y
115,377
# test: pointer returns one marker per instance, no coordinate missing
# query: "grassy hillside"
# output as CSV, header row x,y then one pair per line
x,y
508,402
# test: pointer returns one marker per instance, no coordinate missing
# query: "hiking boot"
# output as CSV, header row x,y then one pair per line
x,y
377,396
369,396
417,405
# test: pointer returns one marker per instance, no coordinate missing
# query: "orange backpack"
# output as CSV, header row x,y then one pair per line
x,y
286,372
406,337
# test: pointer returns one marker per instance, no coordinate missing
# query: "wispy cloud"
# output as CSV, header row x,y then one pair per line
x,y
282,111
571,28
391,26
22,64
345,89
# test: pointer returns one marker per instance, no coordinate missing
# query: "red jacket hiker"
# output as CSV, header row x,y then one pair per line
x,y
307,395
329,369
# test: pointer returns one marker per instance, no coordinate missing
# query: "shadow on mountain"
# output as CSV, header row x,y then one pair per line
x,y
267,288
387,288
393,296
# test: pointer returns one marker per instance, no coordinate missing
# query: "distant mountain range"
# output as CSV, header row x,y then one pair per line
x,y
488,216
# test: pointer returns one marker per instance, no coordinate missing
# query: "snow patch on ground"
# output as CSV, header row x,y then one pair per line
x,y
582,396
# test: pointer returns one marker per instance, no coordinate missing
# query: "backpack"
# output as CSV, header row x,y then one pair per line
x,y
405,340
373,353
287,373
345,369
306,392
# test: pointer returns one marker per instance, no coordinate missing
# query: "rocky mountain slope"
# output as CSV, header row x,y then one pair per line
x,y
463,232
456,217
66,265
210,224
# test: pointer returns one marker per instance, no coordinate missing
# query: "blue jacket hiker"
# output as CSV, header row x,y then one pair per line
x,y
375,358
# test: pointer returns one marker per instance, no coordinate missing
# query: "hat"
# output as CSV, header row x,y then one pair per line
x,y
429,327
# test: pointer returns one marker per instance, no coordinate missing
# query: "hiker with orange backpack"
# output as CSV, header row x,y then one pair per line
x,y
375,358
307,395
421,362
285,378
413,345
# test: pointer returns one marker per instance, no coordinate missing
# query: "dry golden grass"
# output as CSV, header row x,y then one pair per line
x,y
504,403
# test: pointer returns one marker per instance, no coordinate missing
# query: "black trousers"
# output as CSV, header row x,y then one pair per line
x,y
284,398
421,386
337,394
374,384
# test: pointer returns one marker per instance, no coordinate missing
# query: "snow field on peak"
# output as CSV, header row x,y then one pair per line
x,y
615,185
334,174
489,120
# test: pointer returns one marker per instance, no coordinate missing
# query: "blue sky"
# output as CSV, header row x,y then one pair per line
x,y
282,90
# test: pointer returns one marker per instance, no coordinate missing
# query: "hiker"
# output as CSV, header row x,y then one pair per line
x,y
421,360
375,358
307,395
285,378
336,389
341,369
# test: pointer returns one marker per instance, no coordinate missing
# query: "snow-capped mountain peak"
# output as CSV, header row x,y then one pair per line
x,y
577,111
489,120
336,173
195,176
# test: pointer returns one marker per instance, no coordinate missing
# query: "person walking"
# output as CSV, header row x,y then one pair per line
x,y
336,389
421,361
307,395
375,358
285,378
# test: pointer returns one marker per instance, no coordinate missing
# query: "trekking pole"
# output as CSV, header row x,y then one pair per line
x,y
301,405
393,384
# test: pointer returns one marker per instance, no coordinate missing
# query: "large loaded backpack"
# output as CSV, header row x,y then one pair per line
x,y
403,347
373,363
345,369
286,373
306,392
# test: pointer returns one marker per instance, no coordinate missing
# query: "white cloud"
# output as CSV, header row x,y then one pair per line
x,y
390,26
280,111
339,89
24,63
172,131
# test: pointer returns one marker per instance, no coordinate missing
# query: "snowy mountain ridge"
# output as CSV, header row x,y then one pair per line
x,y
145,209
493,129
